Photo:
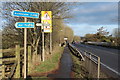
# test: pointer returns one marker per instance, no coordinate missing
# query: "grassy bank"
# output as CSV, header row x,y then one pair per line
x,y
51,63
80,70
77,64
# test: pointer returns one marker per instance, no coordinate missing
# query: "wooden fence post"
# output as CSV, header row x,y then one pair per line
x,y
29,58
2,65
17,74
1,55
3,71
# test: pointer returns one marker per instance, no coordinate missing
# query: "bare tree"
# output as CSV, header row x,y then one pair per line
x,y
59,12
102,31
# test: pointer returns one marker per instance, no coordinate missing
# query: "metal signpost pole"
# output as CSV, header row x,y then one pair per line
x,y
51,43
25,45
43,51
46,18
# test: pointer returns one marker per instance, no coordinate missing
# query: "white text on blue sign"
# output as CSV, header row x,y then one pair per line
x,y
25,14
25,25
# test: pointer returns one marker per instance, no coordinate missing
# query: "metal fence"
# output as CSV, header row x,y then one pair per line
x,y
90,62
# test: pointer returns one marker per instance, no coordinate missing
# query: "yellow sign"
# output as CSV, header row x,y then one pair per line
x,y
46,18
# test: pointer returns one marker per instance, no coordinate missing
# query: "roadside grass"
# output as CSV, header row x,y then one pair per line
x,y
48,64
76,67
79,71
51,63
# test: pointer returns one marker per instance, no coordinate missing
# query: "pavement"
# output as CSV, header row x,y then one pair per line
x,y
65,66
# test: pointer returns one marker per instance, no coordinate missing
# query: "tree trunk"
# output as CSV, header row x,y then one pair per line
x,y
34,54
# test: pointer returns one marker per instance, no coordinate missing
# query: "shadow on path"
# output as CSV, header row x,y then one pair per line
x,y
65,67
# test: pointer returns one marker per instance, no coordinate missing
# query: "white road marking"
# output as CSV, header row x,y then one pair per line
x,y
103,63
110,69
99,49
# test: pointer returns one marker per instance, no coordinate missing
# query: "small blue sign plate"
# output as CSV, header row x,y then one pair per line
x,y
24,24
25,14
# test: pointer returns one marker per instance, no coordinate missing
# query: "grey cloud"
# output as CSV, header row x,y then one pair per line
x,y
95,14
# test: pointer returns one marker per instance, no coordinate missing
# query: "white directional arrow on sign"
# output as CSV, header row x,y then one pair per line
x,y
40,24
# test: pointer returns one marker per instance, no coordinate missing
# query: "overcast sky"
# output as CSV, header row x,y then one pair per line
x,y
90,16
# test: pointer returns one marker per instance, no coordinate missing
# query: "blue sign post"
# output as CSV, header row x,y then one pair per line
x,y
24,24
25,14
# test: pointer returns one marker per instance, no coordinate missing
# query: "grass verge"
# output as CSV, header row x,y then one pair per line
x,y
80,70
51,63
77,64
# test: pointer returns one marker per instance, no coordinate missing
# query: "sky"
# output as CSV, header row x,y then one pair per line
x,y
89,16
0,15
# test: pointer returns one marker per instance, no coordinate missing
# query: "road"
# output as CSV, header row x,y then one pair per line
x,y
109,57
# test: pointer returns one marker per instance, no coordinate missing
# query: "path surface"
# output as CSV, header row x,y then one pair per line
x,y
109,56
64,70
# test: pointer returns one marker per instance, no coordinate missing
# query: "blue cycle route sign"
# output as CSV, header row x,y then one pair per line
x,y
25,14
24,24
